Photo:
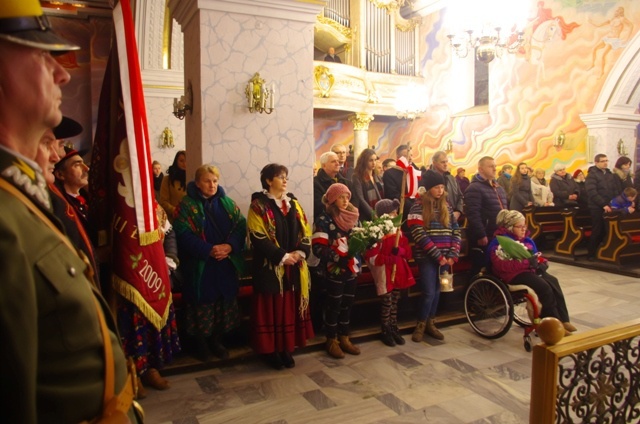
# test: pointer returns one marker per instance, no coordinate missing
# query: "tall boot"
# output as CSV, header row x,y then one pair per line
x,y
418,333
386,335
395,333
347,346
432,330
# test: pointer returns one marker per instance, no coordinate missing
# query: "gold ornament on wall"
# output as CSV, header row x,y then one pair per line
x,y
324,80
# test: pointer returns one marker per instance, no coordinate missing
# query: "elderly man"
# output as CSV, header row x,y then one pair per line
x,y
483,199
331,56
345,170
72,176
440,164
59,338
328,174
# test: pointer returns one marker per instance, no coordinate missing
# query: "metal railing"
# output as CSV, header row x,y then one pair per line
x,y
590,377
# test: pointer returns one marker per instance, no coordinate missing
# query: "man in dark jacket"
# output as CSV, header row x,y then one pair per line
x,y
329,173
601,188
483,199
440,164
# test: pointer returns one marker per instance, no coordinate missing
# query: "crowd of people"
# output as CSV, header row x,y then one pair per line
x,y
64,351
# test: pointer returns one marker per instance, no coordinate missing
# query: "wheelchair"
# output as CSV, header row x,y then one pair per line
x,y
491,307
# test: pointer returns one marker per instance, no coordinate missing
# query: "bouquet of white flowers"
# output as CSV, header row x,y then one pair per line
x,y
371,232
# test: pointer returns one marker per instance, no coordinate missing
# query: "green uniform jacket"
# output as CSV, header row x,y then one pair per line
x,y
51,360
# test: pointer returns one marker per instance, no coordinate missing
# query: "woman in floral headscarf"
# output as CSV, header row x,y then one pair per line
x,y
281,239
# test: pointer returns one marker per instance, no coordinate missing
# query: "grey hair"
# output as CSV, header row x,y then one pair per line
x,y
324,158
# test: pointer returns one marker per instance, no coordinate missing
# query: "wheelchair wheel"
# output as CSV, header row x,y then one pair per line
x,y
521,312
489,308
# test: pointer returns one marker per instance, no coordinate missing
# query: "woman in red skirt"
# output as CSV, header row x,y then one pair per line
x,y
281,238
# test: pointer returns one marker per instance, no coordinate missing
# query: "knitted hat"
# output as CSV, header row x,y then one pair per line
x,y
577,171
431,179
387,206
508,219
559,167
335,191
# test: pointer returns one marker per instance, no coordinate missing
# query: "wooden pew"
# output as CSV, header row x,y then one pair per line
x,y
622,244
577,228
544,221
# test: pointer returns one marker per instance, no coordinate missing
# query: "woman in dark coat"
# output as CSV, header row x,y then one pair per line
x,y
565,190
211,235
367,185
622,171
520,195
281,239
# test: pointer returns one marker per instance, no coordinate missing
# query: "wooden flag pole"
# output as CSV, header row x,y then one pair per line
x,y
401,213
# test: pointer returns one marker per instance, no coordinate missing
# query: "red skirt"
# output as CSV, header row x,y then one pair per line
x,y
276,324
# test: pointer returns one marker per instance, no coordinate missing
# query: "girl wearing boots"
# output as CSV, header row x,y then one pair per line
x,y
330,244
437,245
381,259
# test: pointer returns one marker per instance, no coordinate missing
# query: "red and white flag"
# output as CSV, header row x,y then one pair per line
x,y
121,183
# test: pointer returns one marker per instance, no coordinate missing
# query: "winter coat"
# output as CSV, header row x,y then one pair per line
x,y
562,188
483,199
601,187
520,194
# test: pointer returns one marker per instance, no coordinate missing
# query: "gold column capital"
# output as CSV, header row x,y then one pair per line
x,y
361,121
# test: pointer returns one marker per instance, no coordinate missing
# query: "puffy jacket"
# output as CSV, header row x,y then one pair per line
x,y
601,187
520,193
483,199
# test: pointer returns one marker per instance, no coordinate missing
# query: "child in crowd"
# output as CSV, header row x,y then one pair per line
x,y
382,258
329,243
436,237
625,201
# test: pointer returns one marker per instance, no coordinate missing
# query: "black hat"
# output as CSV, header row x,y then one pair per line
x,y
23,22
69,153
431,179
67,128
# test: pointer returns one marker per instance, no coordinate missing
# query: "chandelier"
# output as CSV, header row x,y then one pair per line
x,y
487,46
479,27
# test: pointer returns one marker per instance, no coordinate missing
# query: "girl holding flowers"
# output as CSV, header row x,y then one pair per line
x,y
330,240
530,271
436,239
391,272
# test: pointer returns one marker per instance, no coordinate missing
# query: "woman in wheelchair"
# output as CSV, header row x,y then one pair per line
x,y
530,272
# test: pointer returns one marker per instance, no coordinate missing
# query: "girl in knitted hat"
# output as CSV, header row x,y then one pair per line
x,y
382,258
530,272
436,238
329,243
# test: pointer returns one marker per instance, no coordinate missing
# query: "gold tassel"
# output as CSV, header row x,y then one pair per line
x,y
130,293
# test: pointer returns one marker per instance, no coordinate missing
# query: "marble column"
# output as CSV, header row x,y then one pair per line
x,y
606,130
360,133
225,43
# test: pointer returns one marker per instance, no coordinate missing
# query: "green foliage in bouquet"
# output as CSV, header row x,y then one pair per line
x,y
513,249
371,232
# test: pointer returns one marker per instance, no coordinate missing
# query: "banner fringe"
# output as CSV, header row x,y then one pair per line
x,y
150,237
129,292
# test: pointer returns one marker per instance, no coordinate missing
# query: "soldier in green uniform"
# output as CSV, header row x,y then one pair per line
x,y
61,359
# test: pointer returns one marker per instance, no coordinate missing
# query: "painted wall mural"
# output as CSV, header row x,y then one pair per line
x,y
570,47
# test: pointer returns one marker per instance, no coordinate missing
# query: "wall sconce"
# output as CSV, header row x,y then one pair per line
x,y
448,147
260,98
182,105
558,142
622,149
167,139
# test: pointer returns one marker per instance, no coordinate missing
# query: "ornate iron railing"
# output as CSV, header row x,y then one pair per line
x,y
590,377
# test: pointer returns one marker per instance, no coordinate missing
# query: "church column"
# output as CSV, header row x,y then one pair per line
x,y
226,43
607,131
360,133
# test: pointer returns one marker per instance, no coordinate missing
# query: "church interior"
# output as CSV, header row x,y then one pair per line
x,y
547,83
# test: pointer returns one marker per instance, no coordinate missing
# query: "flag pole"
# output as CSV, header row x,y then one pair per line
x,y
403,187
